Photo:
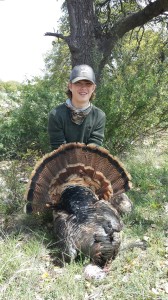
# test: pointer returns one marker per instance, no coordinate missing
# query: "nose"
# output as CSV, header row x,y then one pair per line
x,y
83,85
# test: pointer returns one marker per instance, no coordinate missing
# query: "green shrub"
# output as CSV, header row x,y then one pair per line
x,y
133,93
25,127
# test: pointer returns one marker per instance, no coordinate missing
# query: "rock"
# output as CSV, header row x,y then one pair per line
x,y
122,204
94,272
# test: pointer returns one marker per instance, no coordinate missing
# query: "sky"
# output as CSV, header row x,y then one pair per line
x,y
22,41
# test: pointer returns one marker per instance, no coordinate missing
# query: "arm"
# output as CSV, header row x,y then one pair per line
x,y
97,135
55,130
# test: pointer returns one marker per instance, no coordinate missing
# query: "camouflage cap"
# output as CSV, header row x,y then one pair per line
x,y
82,72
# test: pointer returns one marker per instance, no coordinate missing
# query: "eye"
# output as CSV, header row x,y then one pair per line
x,y
78,83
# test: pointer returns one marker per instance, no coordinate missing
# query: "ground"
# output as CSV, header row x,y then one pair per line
x,y
28,261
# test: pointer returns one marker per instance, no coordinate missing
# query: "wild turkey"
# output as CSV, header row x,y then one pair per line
x,y
79,183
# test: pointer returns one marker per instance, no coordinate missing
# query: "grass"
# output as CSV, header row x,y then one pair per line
x,y
28,269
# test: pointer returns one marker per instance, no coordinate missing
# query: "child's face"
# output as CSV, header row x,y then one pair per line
x,y
81,92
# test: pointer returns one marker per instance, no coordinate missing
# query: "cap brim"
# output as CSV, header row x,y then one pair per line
x,y
81,78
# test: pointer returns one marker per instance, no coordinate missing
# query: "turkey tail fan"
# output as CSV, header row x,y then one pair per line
x,y
75,164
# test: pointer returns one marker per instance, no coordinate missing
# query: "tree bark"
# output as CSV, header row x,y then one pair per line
x,y
89,43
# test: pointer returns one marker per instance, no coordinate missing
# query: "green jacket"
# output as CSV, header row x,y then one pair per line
x,y
62,130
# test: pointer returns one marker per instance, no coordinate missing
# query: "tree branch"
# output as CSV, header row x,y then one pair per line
x,y
58,35
122,8
140,18
102,3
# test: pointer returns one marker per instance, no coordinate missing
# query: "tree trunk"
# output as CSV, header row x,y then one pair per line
x,y
83,43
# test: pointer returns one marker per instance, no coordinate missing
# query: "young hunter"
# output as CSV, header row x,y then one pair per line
x,y
77,120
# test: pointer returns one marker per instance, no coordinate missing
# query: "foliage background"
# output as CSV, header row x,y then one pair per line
x,y
133,93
